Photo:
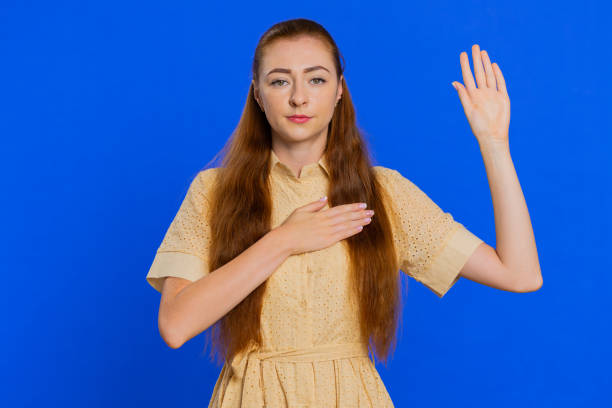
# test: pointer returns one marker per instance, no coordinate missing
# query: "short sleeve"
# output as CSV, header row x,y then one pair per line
x,y
183,251
432,246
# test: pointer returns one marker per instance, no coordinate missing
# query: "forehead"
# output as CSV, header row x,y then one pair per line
x,y
297,54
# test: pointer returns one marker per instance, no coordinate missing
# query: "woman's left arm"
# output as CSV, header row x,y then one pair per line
x,y
514,264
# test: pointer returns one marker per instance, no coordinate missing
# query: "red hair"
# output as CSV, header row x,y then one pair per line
x,y
241,209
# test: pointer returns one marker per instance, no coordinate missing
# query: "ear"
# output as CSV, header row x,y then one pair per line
x,y
256,93
339,90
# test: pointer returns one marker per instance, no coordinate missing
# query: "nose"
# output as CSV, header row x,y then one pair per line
x,y
298,96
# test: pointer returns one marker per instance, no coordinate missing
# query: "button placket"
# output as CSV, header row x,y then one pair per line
x,y
306,300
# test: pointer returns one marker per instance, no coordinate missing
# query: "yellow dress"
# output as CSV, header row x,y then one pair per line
x,y
312,354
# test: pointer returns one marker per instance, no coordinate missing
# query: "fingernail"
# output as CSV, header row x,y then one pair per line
x,y
323,199
454,85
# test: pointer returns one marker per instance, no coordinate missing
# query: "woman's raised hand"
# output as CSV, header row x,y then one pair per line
x,y
485,102
310,228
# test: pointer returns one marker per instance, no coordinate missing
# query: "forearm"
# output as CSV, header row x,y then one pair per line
x,y
516,246
200,304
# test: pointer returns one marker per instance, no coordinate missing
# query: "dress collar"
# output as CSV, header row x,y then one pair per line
x,y
274,160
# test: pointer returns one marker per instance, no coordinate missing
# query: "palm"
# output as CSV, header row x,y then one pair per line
x,y
485,102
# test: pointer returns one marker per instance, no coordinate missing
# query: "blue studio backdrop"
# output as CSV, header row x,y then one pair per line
x,y
109,109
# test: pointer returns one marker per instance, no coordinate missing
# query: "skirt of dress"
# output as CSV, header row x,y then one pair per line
x,y
334,375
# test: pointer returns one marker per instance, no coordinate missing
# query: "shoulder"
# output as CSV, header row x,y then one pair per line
x,y
208,174
387,173
399,189
204,180
387,180
383,171
392,179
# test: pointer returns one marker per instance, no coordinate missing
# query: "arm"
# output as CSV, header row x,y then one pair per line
x,y
514,264
198,305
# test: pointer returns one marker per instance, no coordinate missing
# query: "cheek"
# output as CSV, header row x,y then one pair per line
x,y
274,104
328,100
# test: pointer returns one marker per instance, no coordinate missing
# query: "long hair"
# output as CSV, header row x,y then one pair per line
x,y
241,208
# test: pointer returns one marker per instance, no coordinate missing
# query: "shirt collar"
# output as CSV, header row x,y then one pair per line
x,y
274,160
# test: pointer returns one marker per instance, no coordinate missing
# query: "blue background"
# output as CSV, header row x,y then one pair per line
x,y
109,109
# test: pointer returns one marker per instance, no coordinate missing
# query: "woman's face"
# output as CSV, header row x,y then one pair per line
x,y
285,89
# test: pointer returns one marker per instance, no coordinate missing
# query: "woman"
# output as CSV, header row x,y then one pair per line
x,y
298,290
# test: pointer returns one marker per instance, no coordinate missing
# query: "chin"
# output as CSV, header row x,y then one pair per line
x,y
298,135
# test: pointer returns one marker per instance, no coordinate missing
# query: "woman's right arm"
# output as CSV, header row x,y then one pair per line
x,y
198,305
186,312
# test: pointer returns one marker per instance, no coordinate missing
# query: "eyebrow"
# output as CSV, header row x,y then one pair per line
x,y
288,71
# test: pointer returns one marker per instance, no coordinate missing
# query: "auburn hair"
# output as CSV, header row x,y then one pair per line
x,y
241,206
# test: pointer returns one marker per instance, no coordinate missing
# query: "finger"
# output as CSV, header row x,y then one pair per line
x,y
501,83
340,209
464,97
351,216
352,224
478,69
315,204
349,231
488,70
468,79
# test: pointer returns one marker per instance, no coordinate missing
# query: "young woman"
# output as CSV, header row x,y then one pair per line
x,y
276,252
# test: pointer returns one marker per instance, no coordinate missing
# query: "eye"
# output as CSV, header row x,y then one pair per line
x,y
321,81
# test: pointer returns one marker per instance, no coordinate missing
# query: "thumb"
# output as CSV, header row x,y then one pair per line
x,y
463,95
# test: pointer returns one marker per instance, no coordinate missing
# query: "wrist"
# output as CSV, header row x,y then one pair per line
x,y
492,145
279,240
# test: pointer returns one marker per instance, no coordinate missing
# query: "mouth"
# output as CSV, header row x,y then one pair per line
x,y
298,118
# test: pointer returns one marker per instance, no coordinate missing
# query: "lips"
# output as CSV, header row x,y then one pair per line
x,y
299,118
